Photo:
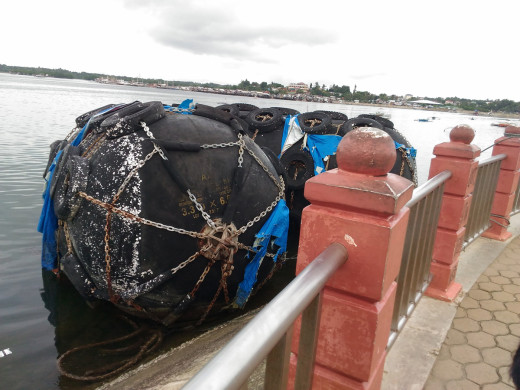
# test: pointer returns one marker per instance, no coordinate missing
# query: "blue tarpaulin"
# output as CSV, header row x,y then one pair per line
x,y
272,234
321,146
48,222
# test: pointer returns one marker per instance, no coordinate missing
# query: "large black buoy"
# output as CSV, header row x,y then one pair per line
x,y
159,211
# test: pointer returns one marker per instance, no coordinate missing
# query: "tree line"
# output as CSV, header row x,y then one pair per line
x,y
343,92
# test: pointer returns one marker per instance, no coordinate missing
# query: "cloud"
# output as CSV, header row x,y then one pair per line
x,y
230,29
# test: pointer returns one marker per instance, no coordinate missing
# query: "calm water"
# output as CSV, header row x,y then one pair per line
x,y
39,318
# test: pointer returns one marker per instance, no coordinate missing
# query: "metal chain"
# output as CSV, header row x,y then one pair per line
x,y
199,207
221,145
149,134
240,150
131,174
136,218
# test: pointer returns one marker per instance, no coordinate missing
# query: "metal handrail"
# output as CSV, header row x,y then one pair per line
x,y
423,190
482,199
249,347
414,274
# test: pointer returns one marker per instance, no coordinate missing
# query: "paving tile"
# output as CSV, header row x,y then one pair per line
x,y
503,296
496,357
479,295
468,303
490,271
479,314
462,385
509,274
508,342
434,384
506,317
511,288
481,339
507,258
490,287
448,370
466,325
493,305
500,280
513,306
497,386
515,329
483,278
494,328
455,337
465,354
506,377
481,373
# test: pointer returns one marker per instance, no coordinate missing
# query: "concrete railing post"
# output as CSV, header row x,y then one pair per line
x,y
363,207
459,157
507,183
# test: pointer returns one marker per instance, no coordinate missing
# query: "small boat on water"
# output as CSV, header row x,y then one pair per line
x,y
156,208
502,124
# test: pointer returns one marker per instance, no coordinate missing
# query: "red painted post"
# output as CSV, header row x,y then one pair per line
x,y
507,183
361,206
459,157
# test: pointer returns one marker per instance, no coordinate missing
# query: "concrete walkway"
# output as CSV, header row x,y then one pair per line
x,y
468,343
485,332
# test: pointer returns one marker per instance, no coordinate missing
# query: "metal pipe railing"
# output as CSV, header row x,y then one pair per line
x,y
482,199
516,203
269,332
414,274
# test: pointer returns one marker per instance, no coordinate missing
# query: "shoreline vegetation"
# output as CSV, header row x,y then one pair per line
x,y
313,92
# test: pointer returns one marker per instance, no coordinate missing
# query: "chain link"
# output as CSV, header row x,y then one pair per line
x,y
199,207
149,134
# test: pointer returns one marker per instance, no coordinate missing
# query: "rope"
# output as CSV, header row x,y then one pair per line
x,y
154,338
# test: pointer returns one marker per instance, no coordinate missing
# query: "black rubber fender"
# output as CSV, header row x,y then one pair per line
x,y
315,122
82,120
128,119
385,122
244,109
55,147
264,120
66,199
299,167
59,170
334,115
360,122
232,109
280,171
77,275
287,111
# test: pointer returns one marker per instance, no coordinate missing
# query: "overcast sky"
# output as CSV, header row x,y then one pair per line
x,y
425,48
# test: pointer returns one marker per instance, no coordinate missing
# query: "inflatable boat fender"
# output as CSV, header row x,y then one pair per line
x,y
66,200
128,120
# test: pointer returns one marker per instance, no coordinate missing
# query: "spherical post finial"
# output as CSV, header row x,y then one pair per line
x,y
366,150
463,134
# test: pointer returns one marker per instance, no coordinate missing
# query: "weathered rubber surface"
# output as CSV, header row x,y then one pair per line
x,y
73,180
298,165
315,122
264,120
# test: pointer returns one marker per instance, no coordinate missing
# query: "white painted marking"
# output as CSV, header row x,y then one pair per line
x,y
350,240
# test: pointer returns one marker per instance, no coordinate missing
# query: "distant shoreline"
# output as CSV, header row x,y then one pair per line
x,y
433,109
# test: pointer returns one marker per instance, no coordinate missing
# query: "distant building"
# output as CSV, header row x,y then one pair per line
x,y
407,96
295,87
